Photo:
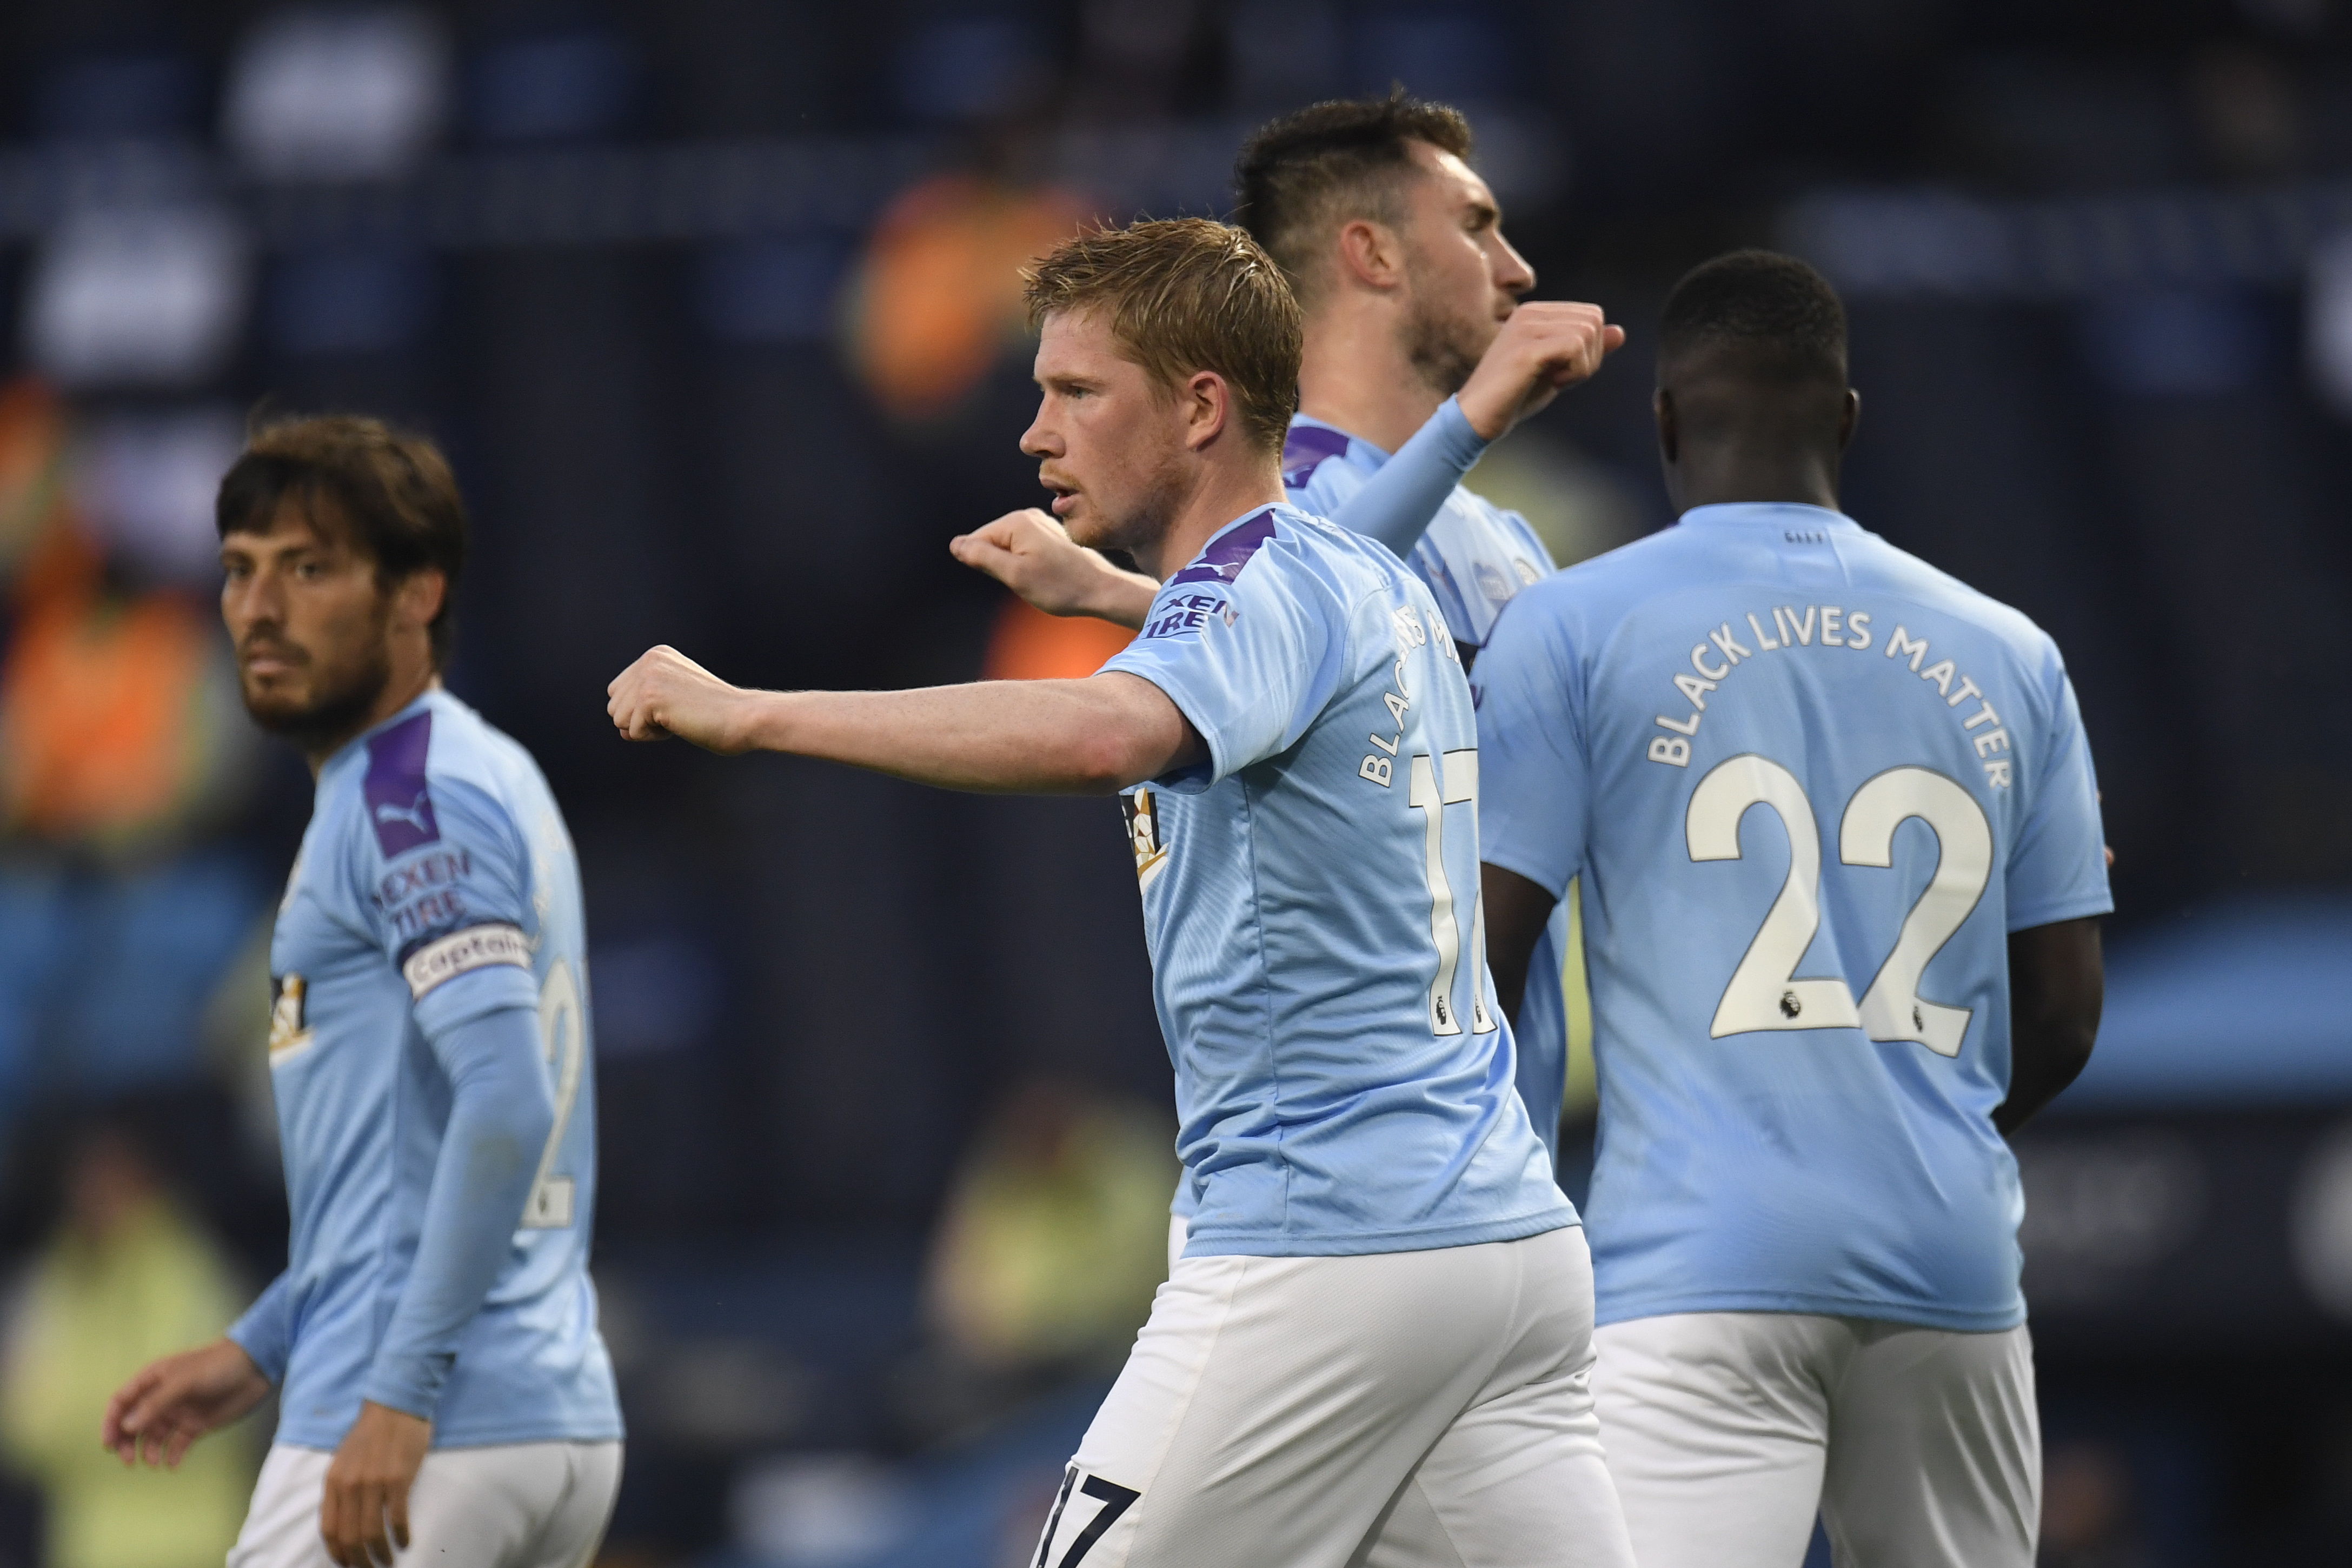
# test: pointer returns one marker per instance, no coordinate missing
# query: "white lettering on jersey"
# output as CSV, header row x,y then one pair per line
x,y
460,952
1826,625
1411,632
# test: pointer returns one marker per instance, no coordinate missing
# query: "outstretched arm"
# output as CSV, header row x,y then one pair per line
x,y
1094,736
2057,985
1032,554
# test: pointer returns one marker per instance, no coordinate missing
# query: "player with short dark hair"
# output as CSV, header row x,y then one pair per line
x,y
1299,177
1416,344
441,1386
1374,1347
1838,832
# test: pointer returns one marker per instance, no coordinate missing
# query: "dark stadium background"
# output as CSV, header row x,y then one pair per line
x,y
648,269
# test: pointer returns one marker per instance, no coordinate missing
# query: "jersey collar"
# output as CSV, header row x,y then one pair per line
x,y
358,745
1369,452
1779,513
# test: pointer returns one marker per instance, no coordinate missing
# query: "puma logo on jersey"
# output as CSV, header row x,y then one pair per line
x,y
1789,1005
416,814
399,804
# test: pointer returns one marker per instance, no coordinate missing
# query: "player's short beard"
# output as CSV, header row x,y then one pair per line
x,y
1442,349
341,698
1144,521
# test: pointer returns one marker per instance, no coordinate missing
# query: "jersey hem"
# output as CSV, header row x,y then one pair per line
x,y
1561,1216
1910,1312
2070,910
1493,855
474,1437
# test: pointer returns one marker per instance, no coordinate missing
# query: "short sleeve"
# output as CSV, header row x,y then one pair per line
x,y
1534,780
1249,653
2058,867
446,895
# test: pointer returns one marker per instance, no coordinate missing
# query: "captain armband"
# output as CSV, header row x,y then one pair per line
x,y
460,952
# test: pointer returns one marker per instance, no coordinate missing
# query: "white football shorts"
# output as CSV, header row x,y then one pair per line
x,y
1726,1431
524,1505
1399,1410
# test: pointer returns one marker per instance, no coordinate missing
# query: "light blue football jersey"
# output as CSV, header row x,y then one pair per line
x,y
1474,557
1344,1081
1812,784
435,883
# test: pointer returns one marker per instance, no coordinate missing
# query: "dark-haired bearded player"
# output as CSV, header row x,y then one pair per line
x,y
443,1389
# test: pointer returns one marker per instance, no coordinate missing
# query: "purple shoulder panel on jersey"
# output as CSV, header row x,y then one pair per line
x,y
399,806
1306,448
1229,551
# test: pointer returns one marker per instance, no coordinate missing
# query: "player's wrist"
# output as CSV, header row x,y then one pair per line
x,y
268,1368
1111,594
760,721
1488,403
240,1362
413,1392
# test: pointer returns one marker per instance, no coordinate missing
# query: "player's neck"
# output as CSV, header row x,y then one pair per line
x,y
407,685
1225,493
1730,479
1356,376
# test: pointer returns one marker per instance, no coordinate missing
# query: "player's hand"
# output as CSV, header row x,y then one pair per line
x,y
665,693
1031,553
1545,346
169,1404
364,1515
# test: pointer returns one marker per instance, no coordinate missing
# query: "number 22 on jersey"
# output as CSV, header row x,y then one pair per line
x,y
562,1037
1763,993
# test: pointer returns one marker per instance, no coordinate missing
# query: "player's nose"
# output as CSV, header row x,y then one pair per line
x,y
1513,274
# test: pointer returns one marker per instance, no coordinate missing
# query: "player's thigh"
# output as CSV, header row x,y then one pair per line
x,y
1519,1480
281,1525
1272,1407
575,1524
1716,1429
532,1505
492,1507
1935,1456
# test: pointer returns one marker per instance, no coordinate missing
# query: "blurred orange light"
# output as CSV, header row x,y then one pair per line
x,y
1030,645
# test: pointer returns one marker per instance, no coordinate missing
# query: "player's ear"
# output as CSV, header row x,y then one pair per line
x,y
1670,436
420,595
1848,416
1370,254
1208,404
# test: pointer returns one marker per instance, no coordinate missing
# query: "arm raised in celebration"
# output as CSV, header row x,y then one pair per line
x,y
1094,736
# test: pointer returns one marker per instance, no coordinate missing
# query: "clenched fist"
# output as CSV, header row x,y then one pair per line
x,y
1544,346
665,693
1031,553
